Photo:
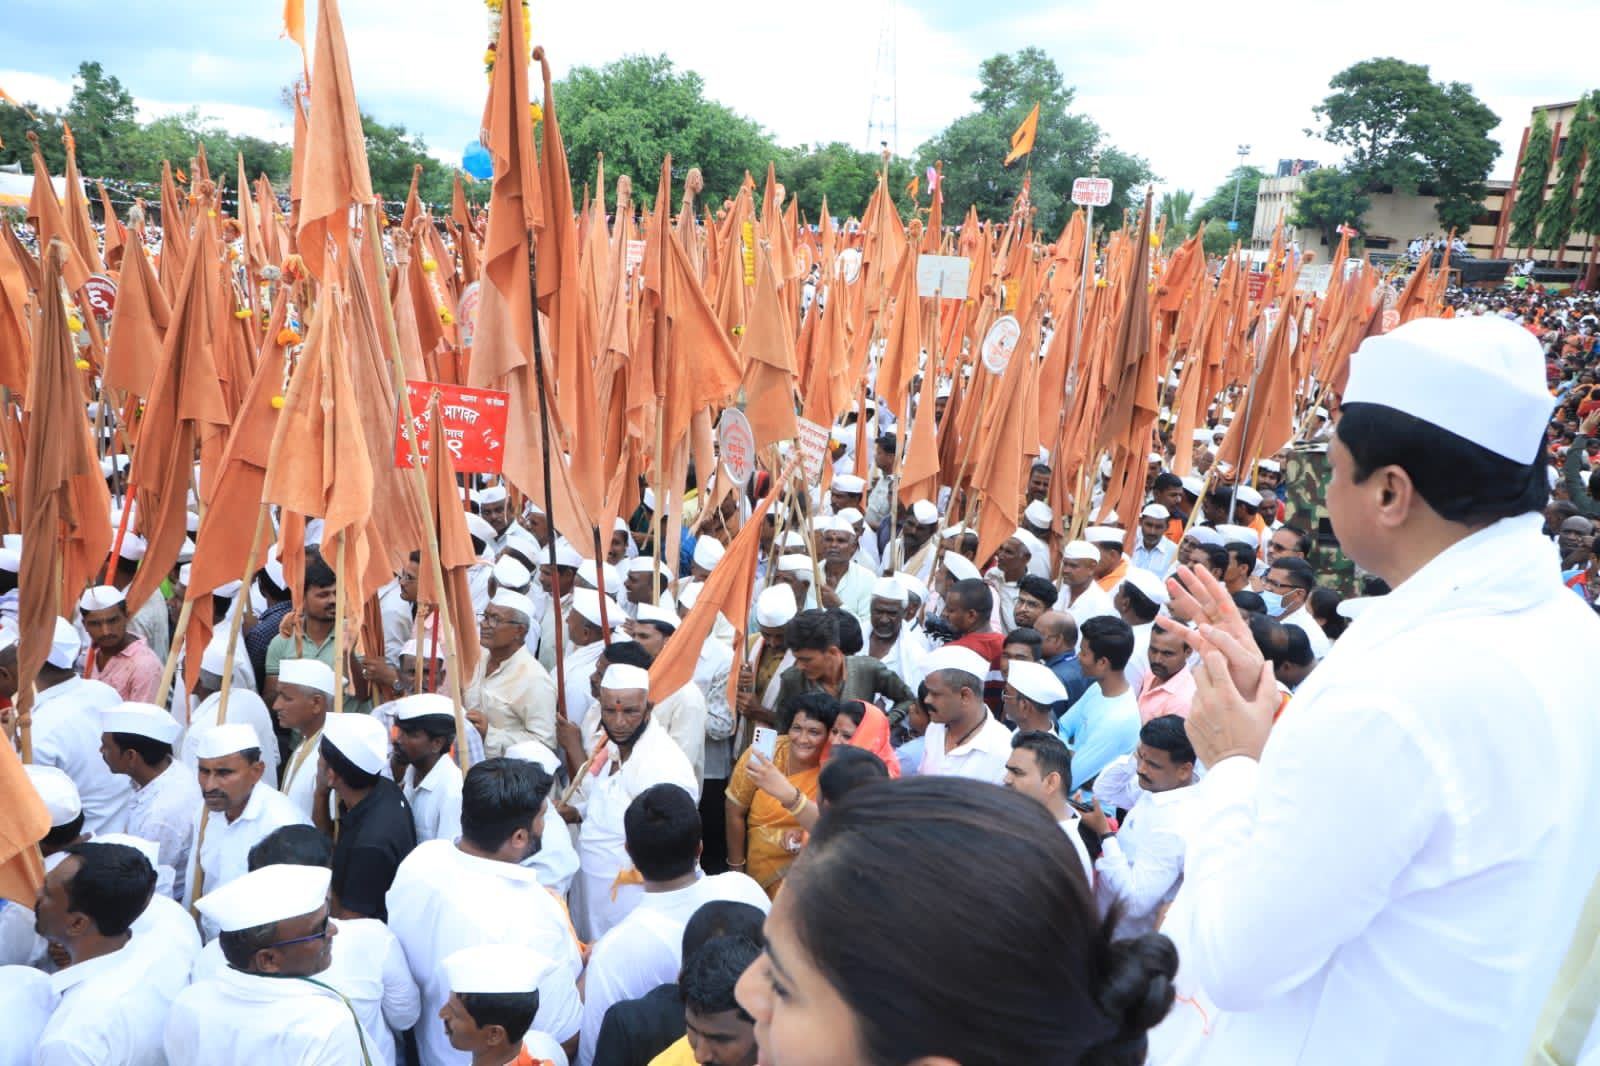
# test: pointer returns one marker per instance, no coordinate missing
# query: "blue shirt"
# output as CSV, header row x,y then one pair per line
x,y
1098,729
910,756
1070,673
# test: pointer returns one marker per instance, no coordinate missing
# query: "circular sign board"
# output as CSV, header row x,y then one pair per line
x,y
467,313
999,343
736,444
1391,319
849,265
102,294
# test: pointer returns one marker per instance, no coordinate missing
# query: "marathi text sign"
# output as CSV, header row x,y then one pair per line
x,y
813,449
474,426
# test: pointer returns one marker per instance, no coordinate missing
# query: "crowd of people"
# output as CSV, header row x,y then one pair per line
x,y
937,807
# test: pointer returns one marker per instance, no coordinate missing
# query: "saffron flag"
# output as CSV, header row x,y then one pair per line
x,y
1022,139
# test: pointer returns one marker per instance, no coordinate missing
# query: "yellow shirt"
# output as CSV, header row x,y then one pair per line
x,y
678,1054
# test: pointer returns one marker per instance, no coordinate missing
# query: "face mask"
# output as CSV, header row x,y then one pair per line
x,y
1274,602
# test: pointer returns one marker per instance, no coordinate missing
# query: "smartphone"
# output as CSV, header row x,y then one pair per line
x,y
1080,804
764,740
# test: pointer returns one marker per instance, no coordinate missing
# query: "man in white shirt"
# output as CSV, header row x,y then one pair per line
x,y
1286,590
1141,864
662,827
1152,550
425,727
1328,934
1081,596
272,1002
511,697
1138,600
684,713
637,754
1040,767
108,1010
845,584
241,808
585,641
303,700
964,739
493,998
557,583
243,706
66,727
136,742
1011,566
890,638
449,896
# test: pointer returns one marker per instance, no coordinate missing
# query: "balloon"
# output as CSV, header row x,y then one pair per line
x,y
475,160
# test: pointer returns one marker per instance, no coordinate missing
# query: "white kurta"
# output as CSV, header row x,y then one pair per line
x,y
443,900
1142,866
246,1018
1320,644
982,758
1331,931
905,655
518,699
1093,602
224,852
166,938
106,1013
603,800
645,949
29,1001
243,706
369,968
66,735
166,812
435,800
300,775
683,716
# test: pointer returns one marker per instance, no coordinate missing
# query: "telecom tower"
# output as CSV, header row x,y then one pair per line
x,y
883,116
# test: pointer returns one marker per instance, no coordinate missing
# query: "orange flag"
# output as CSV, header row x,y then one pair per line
x,y
1003,450
76,208
904,345
455,546
138,324
919,474
184,411
65,510
16,341
769,367
24,820
44,214
336,175
174,234
728,592
116,232
1022,139
1266,410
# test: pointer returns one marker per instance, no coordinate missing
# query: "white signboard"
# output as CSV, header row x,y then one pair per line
x,y
736,444
999,343
813,449
944,276
1091,192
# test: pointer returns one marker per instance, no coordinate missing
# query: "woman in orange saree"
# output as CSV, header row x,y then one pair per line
x,y
765,796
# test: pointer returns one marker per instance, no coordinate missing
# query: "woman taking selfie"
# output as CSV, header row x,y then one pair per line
x,y
765,796
1012,968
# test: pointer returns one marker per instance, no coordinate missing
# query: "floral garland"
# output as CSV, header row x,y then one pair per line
x,y
495,12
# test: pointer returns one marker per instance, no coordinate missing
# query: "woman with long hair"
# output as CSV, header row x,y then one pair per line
x,y
1011,961
765,797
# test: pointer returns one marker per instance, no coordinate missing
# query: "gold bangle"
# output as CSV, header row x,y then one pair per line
x,y
798,805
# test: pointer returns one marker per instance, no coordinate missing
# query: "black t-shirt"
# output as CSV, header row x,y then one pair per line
x,y
374,836
635,1031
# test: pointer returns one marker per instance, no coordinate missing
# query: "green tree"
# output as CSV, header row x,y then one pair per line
x,y
1220,204
839,172
1535,171
1556,216
391,157
974,146
640,108
1587,218
15,125
1328,199
1174,207
103,117
1216,238
1403,131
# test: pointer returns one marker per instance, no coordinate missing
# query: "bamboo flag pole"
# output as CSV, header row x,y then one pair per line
x,y
549,493
338,622
419,483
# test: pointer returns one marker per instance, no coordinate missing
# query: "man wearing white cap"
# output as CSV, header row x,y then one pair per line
x,y
271,1003
1033,694
890,638
66,727
243,706
494,997
1138,601
686,713
637,755
1446,927
964,739
645,580
1036,519
844,583
494,507
586,635
304,702
796,572
241,808
151,619
557,582
1011,565
1040,767
375,828
136,742
644,950
479,890
708,552
510,697
108,1009
1113,566
117,657
1081,596
425,729
918,547
319,600
1152,550
759,683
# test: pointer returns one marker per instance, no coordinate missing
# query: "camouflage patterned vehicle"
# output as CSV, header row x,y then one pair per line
x,y
1306,486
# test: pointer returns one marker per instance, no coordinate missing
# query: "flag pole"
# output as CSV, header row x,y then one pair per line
x,y
238,614
339,595
419,483
549,495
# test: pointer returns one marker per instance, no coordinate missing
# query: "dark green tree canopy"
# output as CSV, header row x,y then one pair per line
x,y
1405,131
1531,181
1220,204
1328,199
974,146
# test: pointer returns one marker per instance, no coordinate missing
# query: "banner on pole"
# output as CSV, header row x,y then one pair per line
x,y
813,448
474,426
736,443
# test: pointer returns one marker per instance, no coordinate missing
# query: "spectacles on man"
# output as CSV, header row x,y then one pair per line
x,y
1280,587
320,934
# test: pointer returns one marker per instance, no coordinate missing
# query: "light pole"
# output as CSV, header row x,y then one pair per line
x,y
1238,175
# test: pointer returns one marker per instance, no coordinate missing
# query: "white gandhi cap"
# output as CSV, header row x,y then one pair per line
x,y
100,598
960,567
1154,589
1081,550
954,657
1036,681
226,739
56,789
271,894
889,588
360,738
141,720
496,969
620,677
64,645
775,606
707,553
1479,377
307,673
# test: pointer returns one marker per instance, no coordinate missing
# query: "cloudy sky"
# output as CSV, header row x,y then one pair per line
x,y
1179,82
